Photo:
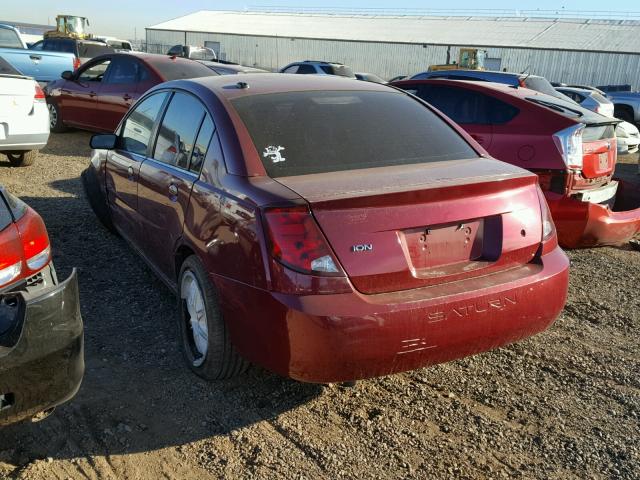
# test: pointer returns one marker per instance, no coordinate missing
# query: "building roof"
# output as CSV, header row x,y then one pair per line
x,y
523,32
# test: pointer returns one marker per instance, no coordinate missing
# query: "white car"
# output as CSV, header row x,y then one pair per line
x,y
628,137
24,117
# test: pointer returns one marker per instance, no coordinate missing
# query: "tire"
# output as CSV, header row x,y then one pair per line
x,y
96,199
22,159
55,119
211,354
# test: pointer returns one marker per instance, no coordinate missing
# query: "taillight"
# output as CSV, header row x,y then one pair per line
x,y
297,242
569,144
548,227
10,256
76,63
521,83
35,241
39,95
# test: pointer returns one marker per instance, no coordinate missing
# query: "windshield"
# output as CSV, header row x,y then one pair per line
x,y
299,133
9,39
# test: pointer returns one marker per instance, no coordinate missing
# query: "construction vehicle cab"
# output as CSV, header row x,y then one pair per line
x,y
70,26
468,59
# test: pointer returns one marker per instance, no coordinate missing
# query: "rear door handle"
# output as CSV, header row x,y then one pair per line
x,y
35,57
127,97
130,172
173,190
92,94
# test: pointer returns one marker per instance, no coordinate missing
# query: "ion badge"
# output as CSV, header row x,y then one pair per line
x,y
274,153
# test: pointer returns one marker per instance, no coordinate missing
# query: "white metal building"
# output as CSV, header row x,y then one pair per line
x,y
595,52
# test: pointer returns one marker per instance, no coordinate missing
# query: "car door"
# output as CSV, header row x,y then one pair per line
x,y
117,93
123,163
167,178
78,96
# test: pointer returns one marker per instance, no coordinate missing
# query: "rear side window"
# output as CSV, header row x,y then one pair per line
x,y
91,50
298,133
202,144
291,69
17,208
124,70
5,215
9,39
138,127
66,46
306,70
173,69
467,106
177,132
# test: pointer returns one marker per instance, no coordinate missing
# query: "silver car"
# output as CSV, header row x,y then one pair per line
x,y
626,134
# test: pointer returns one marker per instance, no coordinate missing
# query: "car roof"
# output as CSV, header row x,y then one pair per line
x,y
230,87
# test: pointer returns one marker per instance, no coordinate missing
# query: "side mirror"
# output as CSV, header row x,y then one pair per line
x,y
67,75
105,141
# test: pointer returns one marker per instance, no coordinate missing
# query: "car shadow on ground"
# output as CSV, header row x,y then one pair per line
x,y
137,395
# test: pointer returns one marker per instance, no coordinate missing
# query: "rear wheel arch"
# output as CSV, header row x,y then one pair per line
x,y
182,253
624,112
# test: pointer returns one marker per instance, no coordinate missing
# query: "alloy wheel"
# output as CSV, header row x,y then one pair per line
x,y
195,316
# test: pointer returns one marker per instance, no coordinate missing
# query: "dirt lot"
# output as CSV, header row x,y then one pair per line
x,y
565,404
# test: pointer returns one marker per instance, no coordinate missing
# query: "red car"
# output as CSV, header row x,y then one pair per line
x,y
326,229
572,149
97,95
41,339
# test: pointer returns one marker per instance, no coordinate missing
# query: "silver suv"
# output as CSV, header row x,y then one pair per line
x,y
316,67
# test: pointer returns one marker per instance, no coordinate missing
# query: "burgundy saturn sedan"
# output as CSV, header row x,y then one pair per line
x,y
97,95
326,229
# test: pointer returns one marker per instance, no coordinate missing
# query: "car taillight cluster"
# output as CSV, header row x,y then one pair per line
x,y
297,242
569,144
76,63
39,95
27,252
549,238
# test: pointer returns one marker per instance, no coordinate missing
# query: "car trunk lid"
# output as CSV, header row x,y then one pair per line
x,y
397,228
599,151
16,96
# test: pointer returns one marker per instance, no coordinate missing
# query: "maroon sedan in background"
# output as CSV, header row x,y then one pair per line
x,y
97,95
572,149
327,230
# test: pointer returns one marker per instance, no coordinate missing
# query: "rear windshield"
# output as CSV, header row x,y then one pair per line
x,y
340,70
299,133
172,69
542,85
91,50
9,39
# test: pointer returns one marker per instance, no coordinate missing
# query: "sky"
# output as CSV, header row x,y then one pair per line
x,y
127,19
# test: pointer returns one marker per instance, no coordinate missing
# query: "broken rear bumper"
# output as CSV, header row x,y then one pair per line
x,y
41,358
583,224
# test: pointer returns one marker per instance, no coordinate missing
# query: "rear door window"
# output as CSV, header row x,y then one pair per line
x,y
94,72
467,106
306,70
9,38
60,45
124,70
298,133
292,69
177,132
202,144
91,50
138,127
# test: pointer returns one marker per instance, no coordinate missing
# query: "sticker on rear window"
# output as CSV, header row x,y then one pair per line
x,y
274,153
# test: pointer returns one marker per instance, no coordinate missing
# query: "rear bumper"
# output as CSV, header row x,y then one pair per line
x,y
584,224
333,338
41,361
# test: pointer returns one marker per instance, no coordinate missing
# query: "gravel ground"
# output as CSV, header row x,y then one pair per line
x,y
564,404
